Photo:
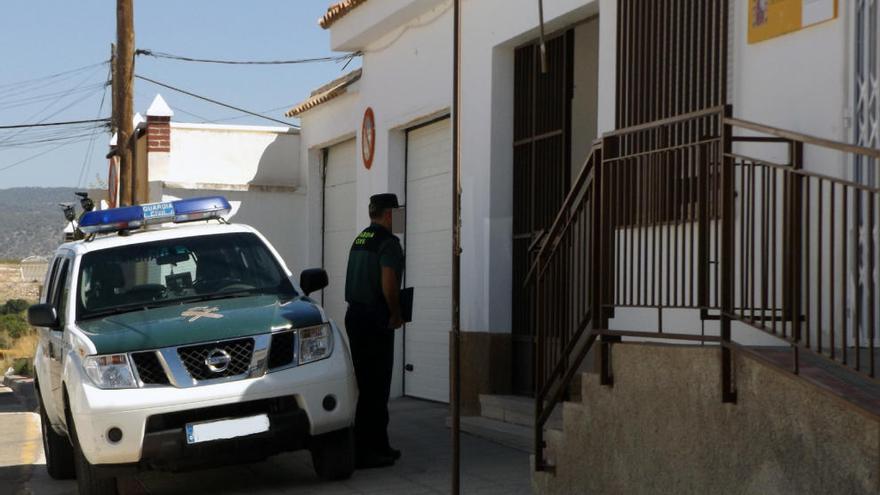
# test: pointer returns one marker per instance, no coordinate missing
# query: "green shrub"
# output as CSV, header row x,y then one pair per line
x,y
22,366
4,342
14,325
15,306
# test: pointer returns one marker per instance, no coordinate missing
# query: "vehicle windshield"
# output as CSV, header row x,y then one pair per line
x,y
162,273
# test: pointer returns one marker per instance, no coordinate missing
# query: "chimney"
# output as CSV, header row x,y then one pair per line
x,y
159,126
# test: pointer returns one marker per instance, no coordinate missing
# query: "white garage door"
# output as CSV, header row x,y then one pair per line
x,y
428,260
339,224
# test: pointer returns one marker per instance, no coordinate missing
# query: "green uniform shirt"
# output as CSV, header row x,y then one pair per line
x,y
372,249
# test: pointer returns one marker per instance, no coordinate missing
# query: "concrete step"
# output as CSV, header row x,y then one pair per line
x,y
515,409
512,435
553,445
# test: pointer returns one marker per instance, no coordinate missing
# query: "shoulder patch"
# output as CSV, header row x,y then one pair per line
x,y
363,237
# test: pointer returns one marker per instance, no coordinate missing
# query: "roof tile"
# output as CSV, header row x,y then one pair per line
x,y
337,11
326,93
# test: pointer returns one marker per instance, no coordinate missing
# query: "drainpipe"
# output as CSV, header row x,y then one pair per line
x,y
455,357
542,42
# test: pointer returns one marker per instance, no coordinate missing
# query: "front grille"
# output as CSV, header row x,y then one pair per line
x,y
149,369
281,350
193,358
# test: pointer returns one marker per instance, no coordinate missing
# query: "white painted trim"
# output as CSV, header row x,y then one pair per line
x,y
204,186
238,128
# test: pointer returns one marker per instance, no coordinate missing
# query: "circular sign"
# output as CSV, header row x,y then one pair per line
x,y
368,138
112,183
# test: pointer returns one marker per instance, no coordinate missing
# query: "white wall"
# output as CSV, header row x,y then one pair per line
x,y
286,230
334,122
585,101
206,153
407,80
203,155
492,29
799,81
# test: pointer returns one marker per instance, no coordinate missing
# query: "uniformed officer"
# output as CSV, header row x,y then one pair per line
x,y
372,290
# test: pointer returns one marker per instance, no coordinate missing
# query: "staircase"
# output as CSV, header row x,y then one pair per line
x,y
685,214
667,432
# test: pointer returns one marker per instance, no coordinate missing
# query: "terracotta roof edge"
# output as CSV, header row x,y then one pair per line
x,y
337,11
325,93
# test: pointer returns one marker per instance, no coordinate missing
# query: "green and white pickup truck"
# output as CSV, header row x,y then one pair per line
x,y
185,346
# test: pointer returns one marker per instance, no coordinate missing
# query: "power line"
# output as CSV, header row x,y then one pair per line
x,y
52,76
45,118
91,147
50,124
39,142
170,56
15,164
211,100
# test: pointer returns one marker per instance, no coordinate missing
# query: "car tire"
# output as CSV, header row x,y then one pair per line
x,y
333,455
88,480
57,448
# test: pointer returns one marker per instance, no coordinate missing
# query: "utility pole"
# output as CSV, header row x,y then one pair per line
x,y
455,358
124,79
114,80
114,128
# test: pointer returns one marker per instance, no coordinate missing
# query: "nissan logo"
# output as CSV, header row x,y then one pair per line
x,y
218,360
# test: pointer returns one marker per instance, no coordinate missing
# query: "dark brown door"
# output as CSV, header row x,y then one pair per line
x,y
541,176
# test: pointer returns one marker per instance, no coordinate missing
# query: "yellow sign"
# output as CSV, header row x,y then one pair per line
x,y
772,18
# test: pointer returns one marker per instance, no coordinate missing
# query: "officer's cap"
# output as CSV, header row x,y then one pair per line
x,y
383,202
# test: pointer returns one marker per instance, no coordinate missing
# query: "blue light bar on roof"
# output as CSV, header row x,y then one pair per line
x,y
133,217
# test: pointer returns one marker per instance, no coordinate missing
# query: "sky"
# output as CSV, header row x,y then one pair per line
x,y
41,38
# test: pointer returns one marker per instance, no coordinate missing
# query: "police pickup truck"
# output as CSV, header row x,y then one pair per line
x,y
171,340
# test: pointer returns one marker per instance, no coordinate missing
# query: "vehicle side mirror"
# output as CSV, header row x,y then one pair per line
x,y
313,279
43,315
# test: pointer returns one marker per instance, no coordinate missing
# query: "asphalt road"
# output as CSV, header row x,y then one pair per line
x,y
418,429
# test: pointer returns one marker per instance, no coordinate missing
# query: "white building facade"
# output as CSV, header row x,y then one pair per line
x,y
820,80
257,168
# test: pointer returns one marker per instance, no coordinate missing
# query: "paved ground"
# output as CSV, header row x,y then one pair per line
x,y
418,429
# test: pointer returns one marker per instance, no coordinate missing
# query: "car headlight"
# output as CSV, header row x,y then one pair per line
x,y
110,371
315,343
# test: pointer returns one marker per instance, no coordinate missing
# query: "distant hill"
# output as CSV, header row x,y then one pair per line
x,y
31,222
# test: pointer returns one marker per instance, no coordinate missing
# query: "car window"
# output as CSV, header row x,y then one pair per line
x,y
50,280
133,277
61,291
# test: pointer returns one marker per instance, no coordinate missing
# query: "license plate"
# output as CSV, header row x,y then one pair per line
x,y
226,428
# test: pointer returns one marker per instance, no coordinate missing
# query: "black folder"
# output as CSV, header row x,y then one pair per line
x,y
406,304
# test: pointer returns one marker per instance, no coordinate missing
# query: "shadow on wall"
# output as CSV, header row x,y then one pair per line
x,y
272,201
279,163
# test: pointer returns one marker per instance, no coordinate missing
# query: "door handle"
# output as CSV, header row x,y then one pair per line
x,y
408,367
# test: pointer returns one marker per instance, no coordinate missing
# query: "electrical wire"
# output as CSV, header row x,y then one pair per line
x,y
38,143
91,147
65,133
239,117
49,124
216,102
25,160
336,58
68,73
51,104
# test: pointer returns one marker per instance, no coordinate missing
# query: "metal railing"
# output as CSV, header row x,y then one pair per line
x,y
563,274
748,225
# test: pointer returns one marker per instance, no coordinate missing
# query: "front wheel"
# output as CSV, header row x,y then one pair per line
x,y
333,454
57,448
88,479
